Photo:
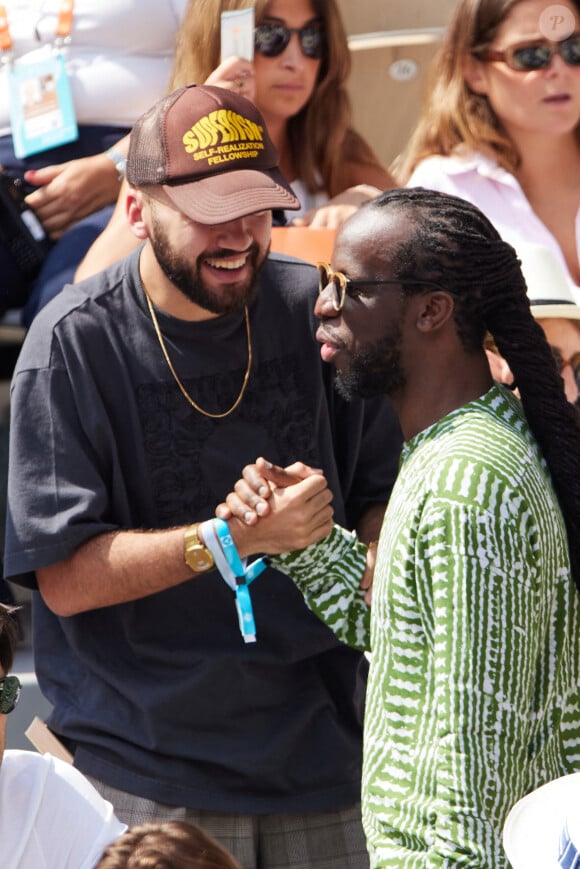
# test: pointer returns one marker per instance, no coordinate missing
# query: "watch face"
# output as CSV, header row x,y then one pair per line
x,y
200,559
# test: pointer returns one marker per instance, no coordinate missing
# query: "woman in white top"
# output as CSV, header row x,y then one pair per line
x,y
118,61
500,126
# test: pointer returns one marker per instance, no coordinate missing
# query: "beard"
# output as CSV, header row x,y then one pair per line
x,y
374,370
186,277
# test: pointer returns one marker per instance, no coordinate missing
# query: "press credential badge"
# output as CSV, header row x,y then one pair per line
x,y
42,113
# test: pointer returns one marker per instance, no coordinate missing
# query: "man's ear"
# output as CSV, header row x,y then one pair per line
x,y
435,311
474,73
135,206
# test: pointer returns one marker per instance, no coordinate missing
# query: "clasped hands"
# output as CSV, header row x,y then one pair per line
x,y
290,508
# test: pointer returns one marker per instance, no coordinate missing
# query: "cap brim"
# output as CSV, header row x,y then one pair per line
x,y
532,830
563,310
230,195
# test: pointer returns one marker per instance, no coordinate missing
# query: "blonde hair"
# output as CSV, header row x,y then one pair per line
x,y
322,141
452,114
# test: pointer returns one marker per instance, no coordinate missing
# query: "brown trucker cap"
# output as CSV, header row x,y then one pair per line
x,y
210,151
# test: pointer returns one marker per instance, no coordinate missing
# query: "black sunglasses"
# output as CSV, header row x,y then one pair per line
x,y
526,57
271,39
9,693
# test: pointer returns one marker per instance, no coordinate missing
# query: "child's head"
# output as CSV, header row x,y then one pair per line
x,y
168,845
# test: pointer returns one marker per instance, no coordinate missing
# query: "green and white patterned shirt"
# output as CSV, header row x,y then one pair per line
x,y
474,690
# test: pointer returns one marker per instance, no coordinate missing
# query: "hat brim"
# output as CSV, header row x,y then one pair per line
x,y
562,310
230,195
531,833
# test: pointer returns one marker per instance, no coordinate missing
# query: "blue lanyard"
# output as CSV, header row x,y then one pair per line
x,y
242,577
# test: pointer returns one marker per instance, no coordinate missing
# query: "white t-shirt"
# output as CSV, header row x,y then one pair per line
x,y
119,58
51,817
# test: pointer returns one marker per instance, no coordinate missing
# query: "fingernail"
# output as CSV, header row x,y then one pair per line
x,y
248,517
261,509
263,491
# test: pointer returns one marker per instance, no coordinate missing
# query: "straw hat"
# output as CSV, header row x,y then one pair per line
x,y
542,831
549,290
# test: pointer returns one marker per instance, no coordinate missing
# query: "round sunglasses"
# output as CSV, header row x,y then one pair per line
x,y
525,57
271,39
342,286
9,693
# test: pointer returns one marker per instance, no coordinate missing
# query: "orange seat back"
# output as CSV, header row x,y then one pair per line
x,y
312,245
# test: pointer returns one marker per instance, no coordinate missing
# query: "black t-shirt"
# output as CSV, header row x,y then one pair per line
x,y
160,695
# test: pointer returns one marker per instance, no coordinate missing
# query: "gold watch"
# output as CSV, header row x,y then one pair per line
x,y
197,556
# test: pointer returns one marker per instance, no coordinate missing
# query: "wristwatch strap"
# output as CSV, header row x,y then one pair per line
x,y
195,548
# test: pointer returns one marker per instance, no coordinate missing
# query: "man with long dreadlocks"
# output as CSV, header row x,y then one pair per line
x,y
473,698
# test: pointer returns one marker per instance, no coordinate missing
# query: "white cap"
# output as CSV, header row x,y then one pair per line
x,y
535,826
549,290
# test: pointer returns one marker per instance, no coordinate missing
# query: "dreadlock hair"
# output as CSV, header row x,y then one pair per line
x,y
455,245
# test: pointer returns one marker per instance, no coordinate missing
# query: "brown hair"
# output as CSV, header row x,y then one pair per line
x,y
322,142
168,845
452,114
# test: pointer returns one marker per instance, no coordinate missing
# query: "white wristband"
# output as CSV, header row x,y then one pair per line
x,y
210,539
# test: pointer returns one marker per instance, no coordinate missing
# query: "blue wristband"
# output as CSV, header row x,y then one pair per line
x,y
243,576
254,569
229,547
245,612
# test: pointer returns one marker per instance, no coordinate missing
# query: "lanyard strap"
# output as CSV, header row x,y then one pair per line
x,y
63,25
65,20
5,38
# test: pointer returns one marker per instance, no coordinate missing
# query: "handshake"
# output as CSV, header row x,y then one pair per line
x,y
292,506
275,510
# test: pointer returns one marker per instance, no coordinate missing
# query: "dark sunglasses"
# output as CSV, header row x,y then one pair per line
x,y
9,693
526,57
573,362
342,286
271,39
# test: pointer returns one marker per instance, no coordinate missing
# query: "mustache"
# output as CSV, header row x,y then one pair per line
x,y
252,249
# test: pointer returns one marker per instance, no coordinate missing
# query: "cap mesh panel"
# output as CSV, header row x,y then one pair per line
x,y
147,157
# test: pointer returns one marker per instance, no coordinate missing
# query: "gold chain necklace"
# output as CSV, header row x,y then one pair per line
x,y
174,373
